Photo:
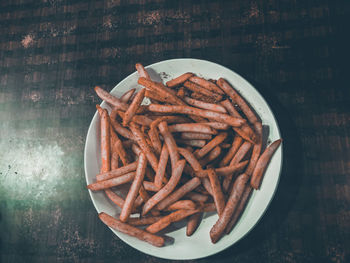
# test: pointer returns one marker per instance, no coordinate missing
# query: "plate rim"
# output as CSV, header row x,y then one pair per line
x,y
269,201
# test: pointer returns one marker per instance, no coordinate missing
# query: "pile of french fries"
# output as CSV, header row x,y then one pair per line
x,y
196,148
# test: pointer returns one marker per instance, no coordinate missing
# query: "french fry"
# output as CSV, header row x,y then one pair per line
x,y
198,89
131,111
218,229
163,160
237,142
262,164
179,193
167,220
181,204
154,96
238,212
217,125
110,99
167,189
150,186
210,145
179,80
145,148
242,151
197,197
135,221
219,117
206,84
131,230
123,179
138,119
134,189
191,159
211,156
195,136
205,105
161,90
118,127
193,143
193,223
192,127
115,161
233,94
142,71
127,95
181,93
170,142
201,97
218,195
117,172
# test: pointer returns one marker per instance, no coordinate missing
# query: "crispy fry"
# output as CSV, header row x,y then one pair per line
x,y
206,183
220,117
198,89
193,223
192,127
139,119
127,95
131,111
233,94
237,142
142,71
182,204
131,230
210,145
256,150
195,136
109,98
205,105
208,207
218,195
179,80
242,151
238,212
245,131
154,96
262,163
134,189
161,90
170,142
206,84
117,172
163,160
167,220
218,229
211,156
167,189
179,193
193,143
191,159
114,160
125,178
105,141
122,153
197,197
201,97
217,125
119,128
135,221
145,148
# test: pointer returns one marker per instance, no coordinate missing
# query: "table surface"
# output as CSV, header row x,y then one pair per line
x,y
52,54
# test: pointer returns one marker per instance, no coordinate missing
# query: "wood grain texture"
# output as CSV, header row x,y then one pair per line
x,y
52,54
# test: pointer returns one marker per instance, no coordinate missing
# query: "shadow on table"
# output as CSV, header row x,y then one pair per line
x,y
287,189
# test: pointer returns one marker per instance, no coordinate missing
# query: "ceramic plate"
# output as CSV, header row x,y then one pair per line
x,y
199,244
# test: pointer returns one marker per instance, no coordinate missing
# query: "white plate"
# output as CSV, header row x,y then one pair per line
x,y
199,244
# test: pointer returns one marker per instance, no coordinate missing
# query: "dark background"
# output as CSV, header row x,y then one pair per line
x,y
52,54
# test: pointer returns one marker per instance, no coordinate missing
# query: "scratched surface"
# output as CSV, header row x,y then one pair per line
x,y
52,52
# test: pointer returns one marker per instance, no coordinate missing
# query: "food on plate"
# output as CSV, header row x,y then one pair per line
x,y
196,148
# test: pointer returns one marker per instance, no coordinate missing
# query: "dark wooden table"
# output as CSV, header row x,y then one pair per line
x,y
52,54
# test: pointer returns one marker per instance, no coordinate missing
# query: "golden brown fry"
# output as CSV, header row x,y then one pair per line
x,y
142,71
192,127
170,142
117,172
179,80
131,230
198,89
123,179
134,189
262,163
219,117
127,95
206,84
163,160
167,189
218,195
167,220
109,98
